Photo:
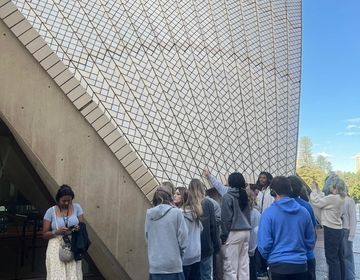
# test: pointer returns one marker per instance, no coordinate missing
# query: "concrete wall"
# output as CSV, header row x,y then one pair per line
x,y
64,148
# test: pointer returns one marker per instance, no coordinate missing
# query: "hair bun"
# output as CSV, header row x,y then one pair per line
x,y
65,187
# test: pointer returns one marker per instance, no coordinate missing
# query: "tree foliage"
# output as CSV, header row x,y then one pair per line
x,y
306,160
310,173
352,181
323,163
305,157
309,169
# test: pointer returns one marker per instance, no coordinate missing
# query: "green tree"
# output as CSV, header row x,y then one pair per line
x,y
310,173
323,163
305,157
352,181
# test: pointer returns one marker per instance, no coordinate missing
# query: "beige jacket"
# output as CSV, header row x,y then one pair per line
x,y
330,208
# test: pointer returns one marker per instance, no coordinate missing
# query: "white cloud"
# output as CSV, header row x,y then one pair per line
x,y
349,133
353,120
324,154
352,126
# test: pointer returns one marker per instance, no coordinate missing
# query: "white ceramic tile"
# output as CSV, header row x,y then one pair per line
x,y
189,83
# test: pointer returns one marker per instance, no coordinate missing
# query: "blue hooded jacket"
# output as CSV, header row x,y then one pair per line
x,y
286,233
307,206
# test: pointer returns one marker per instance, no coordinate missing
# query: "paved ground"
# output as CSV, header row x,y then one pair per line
x,y
321,266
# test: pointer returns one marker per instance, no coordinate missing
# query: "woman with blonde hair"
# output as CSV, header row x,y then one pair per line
x,y
203,212
330,208
192,211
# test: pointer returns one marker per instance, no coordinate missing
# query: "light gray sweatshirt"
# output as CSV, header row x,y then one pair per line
x,y
167,237
349,217
193,249
255,220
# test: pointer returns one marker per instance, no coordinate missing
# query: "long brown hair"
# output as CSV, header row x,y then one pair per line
x,y
184,195
252,198
162,196
195,198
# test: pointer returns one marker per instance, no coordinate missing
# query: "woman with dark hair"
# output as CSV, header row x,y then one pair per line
x,y
166,235
59,223
235,229
180,196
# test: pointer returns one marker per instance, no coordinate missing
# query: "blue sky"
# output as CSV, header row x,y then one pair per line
x,y
330,93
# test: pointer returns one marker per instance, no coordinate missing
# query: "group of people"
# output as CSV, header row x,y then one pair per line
x,y
231,231
242,231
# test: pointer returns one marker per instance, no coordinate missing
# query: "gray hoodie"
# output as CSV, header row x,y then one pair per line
x,y
193,249
167,237
232,218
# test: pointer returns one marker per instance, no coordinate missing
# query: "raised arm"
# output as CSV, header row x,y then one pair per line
x,y
217,184
317,197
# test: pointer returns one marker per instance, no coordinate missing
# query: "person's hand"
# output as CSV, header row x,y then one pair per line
x,y
206,172
314,185
226,178
76,228
62,231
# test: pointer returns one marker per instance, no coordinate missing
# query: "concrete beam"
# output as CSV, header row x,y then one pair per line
x,y
64,148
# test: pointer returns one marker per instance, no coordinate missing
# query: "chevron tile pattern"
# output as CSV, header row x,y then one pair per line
x,y
188,83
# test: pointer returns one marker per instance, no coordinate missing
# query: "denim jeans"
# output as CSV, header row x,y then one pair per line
x,y
349,265
206,268
333,239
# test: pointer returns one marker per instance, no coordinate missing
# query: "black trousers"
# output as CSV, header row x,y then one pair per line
x,y
334,253
253,268
297,276
311,273
192,272
261,264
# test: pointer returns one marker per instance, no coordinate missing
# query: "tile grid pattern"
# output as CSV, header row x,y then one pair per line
x,y
188,83
89,106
